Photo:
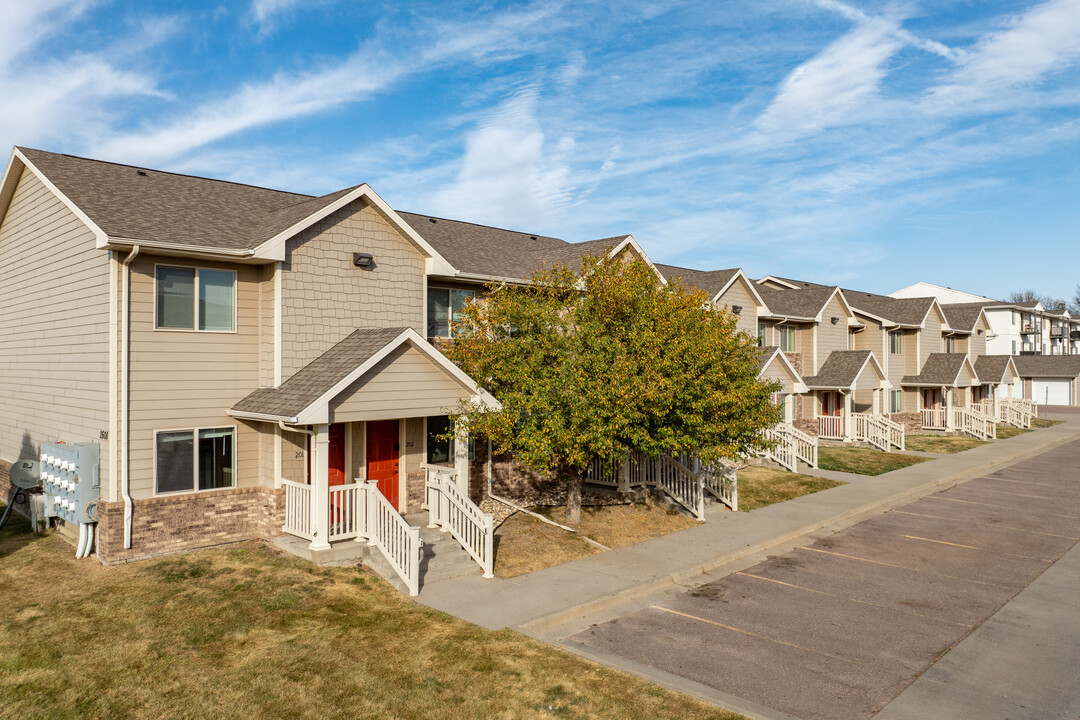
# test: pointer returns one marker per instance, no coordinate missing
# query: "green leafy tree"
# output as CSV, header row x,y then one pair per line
x,y
605,362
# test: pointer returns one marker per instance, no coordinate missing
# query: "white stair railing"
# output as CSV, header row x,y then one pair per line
x,y
722,482
297,509
451,510
398,541
897,433
683,485
868,429
781,447
806,446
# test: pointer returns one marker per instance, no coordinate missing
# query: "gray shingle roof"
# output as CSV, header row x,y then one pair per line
x,y
806,302
708,281
317,377
841,370
904,311
166,207
1048,366
963,316
991,368
940,369
763,354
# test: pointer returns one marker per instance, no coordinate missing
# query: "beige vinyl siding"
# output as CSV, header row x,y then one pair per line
x,y
325,297
266,324
978,340
184,378
777,370
832,337
804,344
913,351
930,339
739,294
54,327
406,383
414,444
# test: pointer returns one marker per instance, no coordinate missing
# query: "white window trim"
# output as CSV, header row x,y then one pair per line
x,y
899,336
195,460
781,330
195,300
449,308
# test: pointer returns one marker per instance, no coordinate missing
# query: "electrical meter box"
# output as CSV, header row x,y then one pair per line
x,y
69,479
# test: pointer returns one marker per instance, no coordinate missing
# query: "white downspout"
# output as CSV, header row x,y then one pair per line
x,y
125,431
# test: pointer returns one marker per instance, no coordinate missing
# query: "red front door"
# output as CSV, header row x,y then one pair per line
x,y
337,454
382,457
830,404
930,399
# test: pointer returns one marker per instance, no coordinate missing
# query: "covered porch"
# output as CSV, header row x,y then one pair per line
x,y
848,397
362,437
949,391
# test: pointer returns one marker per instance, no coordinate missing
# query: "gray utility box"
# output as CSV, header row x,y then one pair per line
x,y
70,480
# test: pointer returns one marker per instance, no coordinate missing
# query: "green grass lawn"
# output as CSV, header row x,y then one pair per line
x,y
1005,431
245,632
760,486
942,443
863,461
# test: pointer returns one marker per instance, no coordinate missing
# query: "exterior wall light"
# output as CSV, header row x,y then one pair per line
x,y
835,320
737,309
364,260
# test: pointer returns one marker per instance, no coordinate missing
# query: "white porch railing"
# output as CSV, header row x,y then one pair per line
x,y
398,541
297,509
682,484
831,427
934,419
451,510
722,482
348,518
879,431
358,510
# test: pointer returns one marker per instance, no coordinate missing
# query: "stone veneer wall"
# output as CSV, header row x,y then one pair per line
x,y
912,421
177,523
414,491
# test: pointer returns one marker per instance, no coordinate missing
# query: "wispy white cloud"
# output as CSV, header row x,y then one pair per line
x,y
856,15
372,68
1044,40
509,176
832,87
263,10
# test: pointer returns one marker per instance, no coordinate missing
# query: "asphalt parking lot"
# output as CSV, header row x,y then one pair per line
x,y
836,629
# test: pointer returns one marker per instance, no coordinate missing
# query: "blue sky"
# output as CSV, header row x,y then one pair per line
x,y
869,144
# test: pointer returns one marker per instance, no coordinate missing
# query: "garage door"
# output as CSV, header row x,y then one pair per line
x,y
1052,392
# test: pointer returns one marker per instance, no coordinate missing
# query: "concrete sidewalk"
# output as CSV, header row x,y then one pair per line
x,y
559,599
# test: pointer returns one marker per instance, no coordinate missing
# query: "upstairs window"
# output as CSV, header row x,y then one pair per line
x,y
787,338
195,299
444,308
896,342
950,344
761,334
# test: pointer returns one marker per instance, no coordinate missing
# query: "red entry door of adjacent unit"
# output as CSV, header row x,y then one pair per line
x,y
930,399
382,457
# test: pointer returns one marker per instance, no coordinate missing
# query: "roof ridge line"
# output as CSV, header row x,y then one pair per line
x,y
171,172
489,227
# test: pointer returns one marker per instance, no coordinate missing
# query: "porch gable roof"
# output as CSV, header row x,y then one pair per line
x,y
993,368
842,369
305,397
942,370
771,356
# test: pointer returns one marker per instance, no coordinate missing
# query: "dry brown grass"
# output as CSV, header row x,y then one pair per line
x,y
942,443
525,544
864,461
245,632
760,486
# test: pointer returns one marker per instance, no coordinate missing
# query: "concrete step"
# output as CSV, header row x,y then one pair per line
x,y
340,554
381,567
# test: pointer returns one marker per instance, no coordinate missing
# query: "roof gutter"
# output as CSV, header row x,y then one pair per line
x,y
262,417
115,242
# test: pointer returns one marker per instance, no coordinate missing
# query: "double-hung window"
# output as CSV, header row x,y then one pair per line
x,y
896,342
440,450
896,401
950,344
196,459
195,299
787,338
444,308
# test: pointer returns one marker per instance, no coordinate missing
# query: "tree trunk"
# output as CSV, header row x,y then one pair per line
x,y
573,499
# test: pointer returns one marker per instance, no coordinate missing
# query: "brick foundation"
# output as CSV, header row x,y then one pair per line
x,y
912,421
163,525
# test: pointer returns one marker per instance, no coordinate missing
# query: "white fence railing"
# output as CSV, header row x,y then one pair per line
x,y
297,509
934,419
974,423
722,482
831,427
685,485
682,484
879,431
451,510
397,539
